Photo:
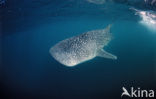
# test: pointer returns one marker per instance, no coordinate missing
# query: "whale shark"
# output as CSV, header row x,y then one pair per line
x,y
86,46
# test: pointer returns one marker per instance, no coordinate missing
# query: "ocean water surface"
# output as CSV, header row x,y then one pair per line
x,y
29,28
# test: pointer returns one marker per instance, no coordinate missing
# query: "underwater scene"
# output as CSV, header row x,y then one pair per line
x,y
77,49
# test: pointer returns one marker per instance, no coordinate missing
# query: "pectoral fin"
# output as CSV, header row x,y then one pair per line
x,y
103,53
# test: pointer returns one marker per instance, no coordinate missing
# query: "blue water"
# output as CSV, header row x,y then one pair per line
x,y
31,27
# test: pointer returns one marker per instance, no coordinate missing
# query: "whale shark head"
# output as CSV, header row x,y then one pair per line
x,y
65,58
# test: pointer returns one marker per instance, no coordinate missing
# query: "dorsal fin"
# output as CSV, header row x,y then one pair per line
x,y
108,28
104,36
